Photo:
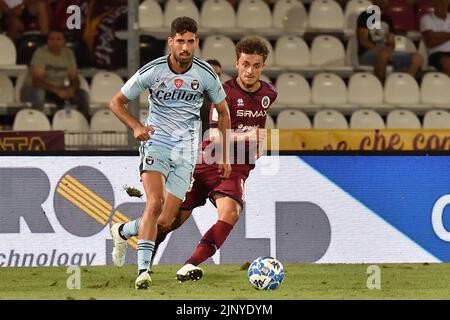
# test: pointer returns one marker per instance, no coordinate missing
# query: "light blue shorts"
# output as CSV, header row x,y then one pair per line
x,y
177,170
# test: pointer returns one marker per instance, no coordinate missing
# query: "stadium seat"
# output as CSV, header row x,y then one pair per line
x,y
329,89
291,51
6,90
84,84
8,51
327,51
107,130
366,119
221,48
326,14
404,44
436,119
70,120
104,86
423,7
150,15
31,120
180,8
401,89
329,119
293,119
293,90
364,89
435,90
253,14
402,119
217,14
284,9
402,14
352,10
270,124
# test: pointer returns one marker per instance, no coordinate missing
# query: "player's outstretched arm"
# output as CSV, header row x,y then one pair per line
x,y
118,107
224,128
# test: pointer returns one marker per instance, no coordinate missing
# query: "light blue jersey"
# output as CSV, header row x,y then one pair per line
x,y
175,100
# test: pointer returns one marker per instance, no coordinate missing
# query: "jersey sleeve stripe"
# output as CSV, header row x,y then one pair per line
x,y
203,66
150,65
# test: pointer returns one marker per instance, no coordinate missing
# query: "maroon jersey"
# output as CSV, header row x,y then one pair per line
x,y
248,110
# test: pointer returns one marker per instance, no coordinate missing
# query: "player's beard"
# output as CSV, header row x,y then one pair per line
x,y
185,60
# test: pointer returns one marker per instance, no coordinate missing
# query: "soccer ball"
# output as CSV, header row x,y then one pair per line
x,y
266,273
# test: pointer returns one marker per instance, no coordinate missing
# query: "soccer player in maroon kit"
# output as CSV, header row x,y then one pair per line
x,y
248,99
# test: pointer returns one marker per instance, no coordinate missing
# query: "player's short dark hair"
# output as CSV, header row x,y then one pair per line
x,y
214,62
182,25
252,45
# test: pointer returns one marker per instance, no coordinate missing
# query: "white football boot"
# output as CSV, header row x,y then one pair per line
x,y
143,281
189,272
119,246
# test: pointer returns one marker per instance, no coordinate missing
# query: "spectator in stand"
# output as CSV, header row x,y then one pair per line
x,y
25,15
435,28
53,76
376,45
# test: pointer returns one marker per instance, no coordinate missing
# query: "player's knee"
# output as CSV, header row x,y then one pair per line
x,y
164,223
154,205
230,216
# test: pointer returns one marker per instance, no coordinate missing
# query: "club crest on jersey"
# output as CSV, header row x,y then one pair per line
x,y
178,83
194,84
265,102
149,160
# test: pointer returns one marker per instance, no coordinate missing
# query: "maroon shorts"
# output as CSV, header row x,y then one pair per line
x,y
207,182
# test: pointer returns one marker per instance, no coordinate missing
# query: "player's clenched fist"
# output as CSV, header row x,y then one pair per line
x,y
143,133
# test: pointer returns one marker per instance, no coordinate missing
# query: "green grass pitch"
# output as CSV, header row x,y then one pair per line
x,y
227,282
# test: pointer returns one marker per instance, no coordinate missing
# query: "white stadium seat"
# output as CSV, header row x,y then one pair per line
x,y
270,124
31,120
353,9
329,119
221,48
107,130
435,90
6,89
7,52
253,14
326,14
293,90
104,86
366,119
327,50
436,119
293,119
150,15
291,51
402,119
217,14
283,9
364,88
180,8
329,89
401,89
69,120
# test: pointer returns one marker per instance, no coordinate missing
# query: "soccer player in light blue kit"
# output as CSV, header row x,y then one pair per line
x,y
177,84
